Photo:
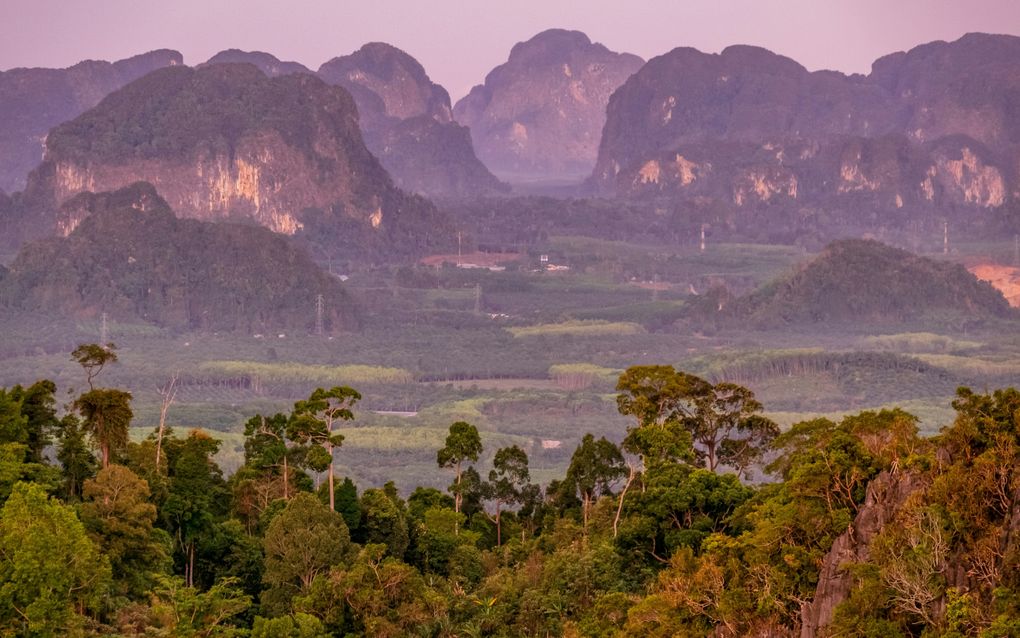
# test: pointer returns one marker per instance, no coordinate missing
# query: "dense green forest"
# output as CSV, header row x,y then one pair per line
x,y
856,527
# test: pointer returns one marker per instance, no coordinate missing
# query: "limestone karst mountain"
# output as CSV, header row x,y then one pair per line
x,y
132,258
225,142
408,123
540,114
32,101
933,129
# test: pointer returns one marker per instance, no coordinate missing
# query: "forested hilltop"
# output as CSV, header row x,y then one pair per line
x,y
853,528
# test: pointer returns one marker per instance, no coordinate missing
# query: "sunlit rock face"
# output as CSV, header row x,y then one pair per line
x,y
408,123
223,142
541,113
934,128
32,101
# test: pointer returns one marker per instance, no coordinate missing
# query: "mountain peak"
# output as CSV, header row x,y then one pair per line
x,y
266,62
540,114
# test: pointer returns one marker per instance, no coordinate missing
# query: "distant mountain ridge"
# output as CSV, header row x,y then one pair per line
x,y
541,113
935,128
32,101
132,258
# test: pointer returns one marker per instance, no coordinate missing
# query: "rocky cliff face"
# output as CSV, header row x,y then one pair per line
x,y
32,101
267,63
225,142
540,115
934,128
132,258
887,494
408,122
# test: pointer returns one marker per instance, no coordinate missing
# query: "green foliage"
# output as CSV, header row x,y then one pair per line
x,y
51,574
186,612
106,416
383,523
119,518
295,626
724,420
92,357
345,374
854,281
594,468
303,541
462,444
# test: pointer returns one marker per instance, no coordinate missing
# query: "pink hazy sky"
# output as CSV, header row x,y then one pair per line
x,y
459,41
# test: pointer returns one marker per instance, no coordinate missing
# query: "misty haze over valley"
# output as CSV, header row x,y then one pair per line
x,y
682,342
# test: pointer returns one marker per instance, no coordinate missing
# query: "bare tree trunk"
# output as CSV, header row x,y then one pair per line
x,y
168,392
332,501
623,493
457,496
286,476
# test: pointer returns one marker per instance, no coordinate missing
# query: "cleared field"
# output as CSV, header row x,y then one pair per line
x,y
330,375
579,328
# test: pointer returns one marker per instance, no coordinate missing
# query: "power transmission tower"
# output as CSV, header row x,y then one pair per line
x,y
104,332
318,315
945,238
703,238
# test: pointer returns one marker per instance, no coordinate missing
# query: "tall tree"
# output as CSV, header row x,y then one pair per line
x,y
196,498
462,444
303,541
313,422
106,415
76,460
93,357
724,420
594,468
271,465
508,479
38,409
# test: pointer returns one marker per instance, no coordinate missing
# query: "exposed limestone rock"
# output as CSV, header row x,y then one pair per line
x,y
971,181
927,129
256,148
887,493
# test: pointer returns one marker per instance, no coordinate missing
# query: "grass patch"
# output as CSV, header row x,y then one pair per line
x,y
328,375
920,342
579,328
